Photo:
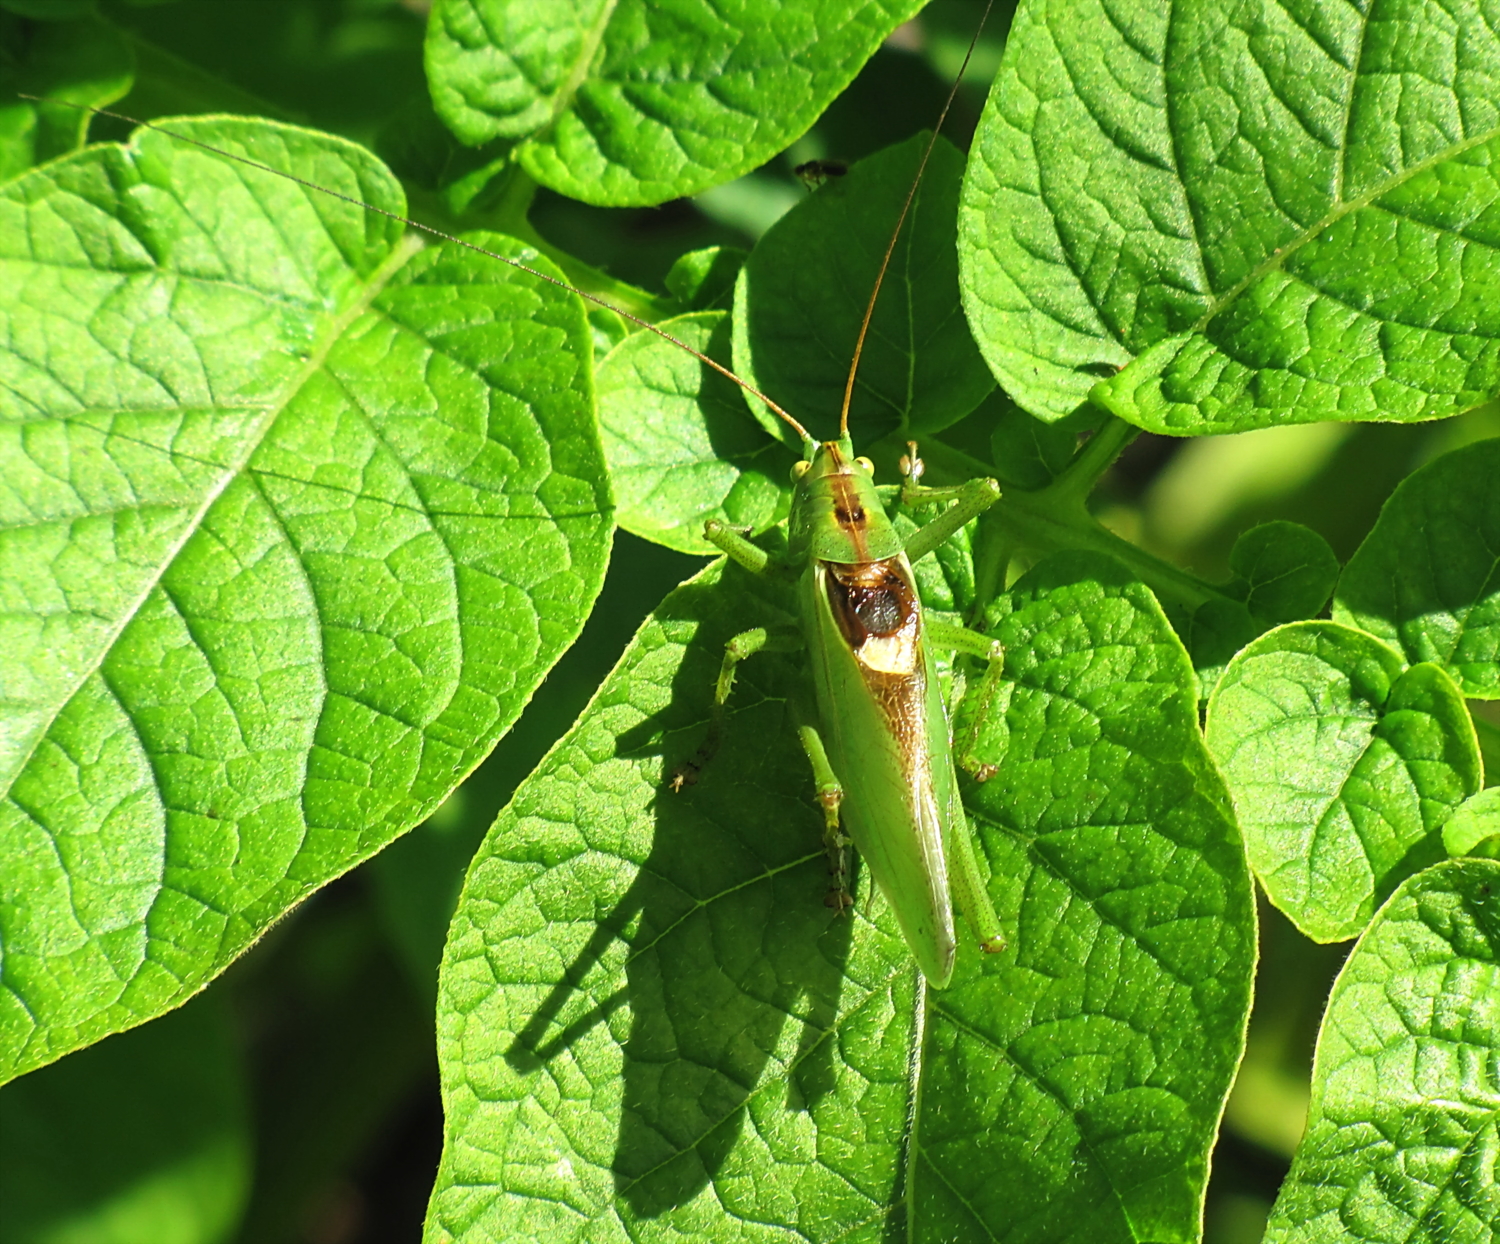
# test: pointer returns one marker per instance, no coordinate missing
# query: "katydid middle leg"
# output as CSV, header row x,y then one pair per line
x,y
742,646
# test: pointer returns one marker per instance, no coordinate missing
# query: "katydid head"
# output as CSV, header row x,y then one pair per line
x,y
836,514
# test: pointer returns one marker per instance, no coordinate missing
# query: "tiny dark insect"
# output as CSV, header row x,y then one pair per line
x,y
815,172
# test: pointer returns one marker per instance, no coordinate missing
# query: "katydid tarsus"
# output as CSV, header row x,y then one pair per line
x,y
874,727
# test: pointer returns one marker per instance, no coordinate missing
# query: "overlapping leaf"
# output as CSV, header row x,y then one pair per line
x,y
651,1027
1427,577
1474,827
640,101
803,292
1283,212
1343,766
1404,1123
294,517
682,445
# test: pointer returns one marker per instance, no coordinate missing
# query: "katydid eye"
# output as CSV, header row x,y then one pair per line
x,y
865,465
799,469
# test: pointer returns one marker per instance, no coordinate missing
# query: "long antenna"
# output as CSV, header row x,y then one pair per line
x,y
437,233
911,194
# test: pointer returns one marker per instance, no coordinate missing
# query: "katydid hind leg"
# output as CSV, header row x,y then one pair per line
x,y
970,894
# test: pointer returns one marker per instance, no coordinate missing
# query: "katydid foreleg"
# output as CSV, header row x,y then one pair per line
x,y
969,501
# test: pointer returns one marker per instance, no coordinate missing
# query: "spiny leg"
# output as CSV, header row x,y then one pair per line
x,y
964,876
969,892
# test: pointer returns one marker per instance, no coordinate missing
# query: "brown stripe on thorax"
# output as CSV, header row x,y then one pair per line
x,y
848,510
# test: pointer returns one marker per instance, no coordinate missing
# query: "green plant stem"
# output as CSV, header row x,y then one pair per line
x,y
1094,459
1048,522
1056,518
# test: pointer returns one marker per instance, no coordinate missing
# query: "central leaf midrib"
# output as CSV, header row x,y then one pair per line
x,y
577,72
1278,257
232,470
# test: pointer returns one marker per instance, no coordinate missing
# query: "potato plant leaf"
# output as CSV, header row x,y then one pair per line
x,y
295,516
1476,822
651,1026
1427,577
803,292
682,445
640,101
1210,220
1343,766
1285,570
1402,1131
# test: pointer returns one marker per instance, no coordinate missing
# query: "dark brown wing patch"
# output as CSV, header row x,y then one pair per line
x,y
875,605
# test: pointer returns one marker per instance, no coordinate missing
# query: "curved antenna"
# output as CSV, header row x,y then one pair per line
x,y
911,194
446,237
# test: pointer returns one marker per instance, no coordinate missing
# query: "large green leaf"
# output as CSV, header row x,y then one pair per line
x,y
1404,1125
295,516
639,101
1343,765
802,295
1283,211
1427,577
651,1026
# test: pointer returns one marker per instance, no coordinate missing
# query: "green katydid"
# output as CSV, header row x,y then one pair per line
x,y
880,751
880,747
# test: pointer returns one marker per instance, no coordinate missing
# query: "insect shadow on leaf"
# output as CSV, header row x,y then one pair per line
x,y
724,938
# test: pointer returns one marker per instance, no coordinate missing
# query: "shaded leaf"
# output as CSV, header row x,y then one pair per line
x,y
1402,1131
1027,452
1286,571
803,292
1343,766
1212,633
1427,577
295,516
1282,213
703,280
